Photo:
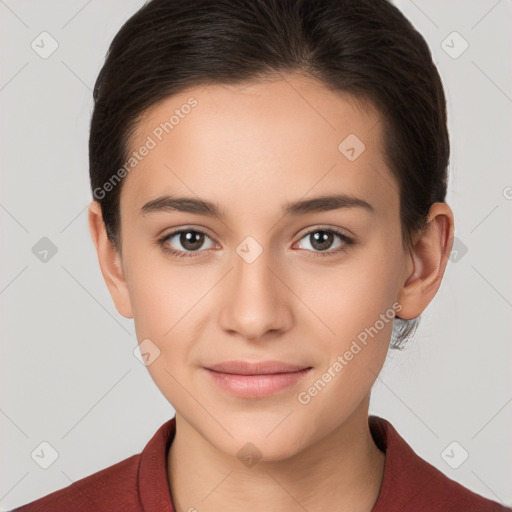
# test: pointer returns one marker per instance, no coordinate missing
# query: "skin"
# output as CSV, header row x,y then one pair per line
x,y
251,149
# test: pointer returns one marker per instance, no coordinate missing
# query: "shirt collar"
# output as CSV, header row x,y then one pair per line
x,y
156,496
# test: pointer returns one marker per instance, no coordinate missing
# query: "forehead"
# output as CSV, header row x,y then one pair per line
x,y
255,144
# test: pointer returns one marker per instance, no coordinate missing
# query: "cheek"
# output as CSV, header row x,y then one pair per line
x,y
354,306
162,292
342,299
353,323
353,329
166,311
349,298
154,305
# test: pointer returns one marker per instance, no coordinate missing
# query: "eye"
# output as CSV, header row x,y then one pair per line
x,y
322,239
184,243
190,240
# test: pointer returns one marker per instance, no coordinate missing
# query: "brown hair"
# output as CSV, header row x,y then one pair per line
x,y
364,47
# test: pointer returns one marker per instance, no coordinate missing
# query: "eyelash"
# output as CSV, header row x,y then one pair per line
x,y
183,254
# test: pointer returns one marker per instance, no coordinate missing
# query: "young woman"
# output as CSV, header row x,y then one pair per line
x,y
269,182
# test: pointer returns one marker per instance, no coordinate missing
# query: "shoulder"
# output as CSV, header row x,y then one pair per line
x,y
137,483
113,488
411,483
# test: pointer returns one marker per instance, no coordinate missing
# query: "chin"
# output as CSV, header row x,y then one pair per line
x,y
257,443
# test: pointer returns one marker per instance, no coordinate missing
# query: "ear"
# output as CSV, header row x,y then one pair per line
x,y
428,259
110,261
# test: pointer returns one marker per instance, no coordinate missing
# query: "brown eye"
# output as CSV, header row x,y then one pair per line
x,y
322,240
191,240
184,242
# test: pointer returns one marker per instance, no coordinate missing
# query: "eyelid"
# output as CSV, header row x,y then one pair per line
x,y
325,227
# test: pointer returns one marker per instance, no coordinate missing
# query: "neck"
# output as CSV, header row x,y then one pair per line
x,y
343,471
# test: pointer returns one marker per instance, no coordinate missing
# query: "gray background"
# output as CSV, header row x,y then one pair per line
x,y
68,375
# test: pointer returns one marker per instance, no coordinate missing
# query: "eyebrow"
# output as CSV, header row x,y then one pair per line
x,y
203,207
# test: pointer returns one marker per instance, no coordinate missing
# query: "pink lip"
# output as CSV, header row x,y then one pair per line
x,y
256,380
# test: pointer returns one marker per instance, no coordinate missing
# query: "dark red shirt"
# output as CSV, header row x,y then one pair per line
x,y
139,483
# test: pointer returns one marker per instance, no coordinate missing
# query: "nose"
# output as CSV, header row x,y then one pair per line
x,y
256,300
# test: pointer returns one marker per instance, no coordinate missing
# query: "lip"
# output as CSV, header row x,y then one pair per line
x,y
257,368
256,380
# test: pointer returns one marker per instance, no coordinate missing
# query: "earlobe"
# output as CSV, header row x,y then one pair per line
x,y
110,261
428,259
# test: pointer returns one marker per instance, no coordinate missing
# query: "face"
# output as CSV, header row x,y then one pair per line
x,y
262,280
